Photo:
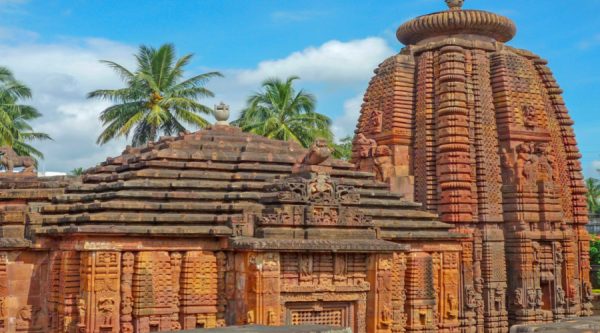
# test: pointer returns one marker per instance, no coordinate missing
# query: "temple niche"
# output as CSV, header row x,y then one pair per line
x,y
481,133
462,211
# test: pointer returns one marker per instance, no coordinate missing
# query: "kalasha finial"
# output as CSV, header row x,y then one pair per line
x,y
222,114
455,4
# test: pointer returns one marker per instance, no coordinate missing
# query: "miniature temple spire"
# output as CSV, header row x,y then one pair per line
x,y
455,4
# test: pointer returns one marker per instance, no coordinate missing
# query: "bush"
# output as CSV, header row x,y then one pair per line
x,y
595,250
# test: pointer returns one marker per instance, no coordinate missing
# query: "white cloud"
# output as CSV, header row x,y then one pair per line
x,y
16,34
345,125
334,62
60,75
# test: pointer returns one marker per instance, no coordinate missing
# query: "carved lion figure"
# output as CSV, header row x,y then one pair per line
x,y
318,153
9,160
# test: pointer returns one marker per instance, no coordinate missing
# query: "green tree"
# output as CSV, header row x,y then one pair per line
x,y
343,150
279,112
593,195
15,130
156,99
77,171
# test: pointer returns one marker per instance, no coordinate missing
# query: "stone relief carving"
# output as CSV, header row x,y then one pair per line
x,y
10,160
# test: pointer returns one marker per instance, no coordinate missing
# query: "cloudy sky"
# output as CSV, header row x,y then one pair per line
x,y
333,45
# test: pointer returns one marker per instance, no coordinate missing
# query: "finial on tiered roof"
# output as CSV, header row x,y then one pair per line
x,y
455,4
221,114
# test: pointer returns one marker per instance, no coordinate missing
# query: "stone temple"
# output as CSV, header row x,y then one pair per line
x,y
462,210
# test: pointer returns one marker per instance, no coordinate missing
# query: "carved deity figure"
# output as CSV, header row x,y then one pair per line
x,y
539,298
386,317
106,307
383,163
471,302
518,298
376,121
523,158
81,310
499,299
560,296
2,307
24,316
272,318
529,117
366,150
9,159
531,298
452,303
305,265
546,160
250,317
588,294
558,254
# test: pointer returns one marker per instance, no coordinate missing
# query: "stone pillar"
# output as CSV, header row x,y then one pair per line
x,y
420,298
100,281
452,136
199,290
263,289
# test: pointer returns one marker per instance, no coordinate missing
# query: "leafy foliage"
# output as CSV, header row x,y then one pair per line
x,y
343,150
593,195
279,112
156,98
15,130
595,250
77,171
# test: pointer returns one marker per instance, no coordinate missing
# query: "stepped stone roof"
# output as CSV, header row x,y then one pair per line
x,y
207,182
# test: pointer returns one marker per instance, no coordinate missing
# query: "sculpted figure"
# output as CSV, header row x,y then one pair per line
x,y
318,153
518,298
538,298
106,307
452,311
250,317
499,299
9,160
81,310
383,163
560,296
523,157
529,117
531,298
386,316
376,121
365,146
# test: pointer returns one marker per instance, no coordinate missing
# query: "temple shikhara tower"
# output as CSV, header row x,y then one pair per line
x,y
477,132
462,210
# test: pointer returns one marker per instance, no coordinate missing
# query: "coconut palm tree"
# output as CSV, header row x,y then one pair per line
x,y
156,99
279,112
15,130
593,195
343,150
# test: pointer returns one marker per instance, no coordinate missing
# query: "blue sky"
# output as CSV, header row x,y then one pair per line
x,y
54,46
